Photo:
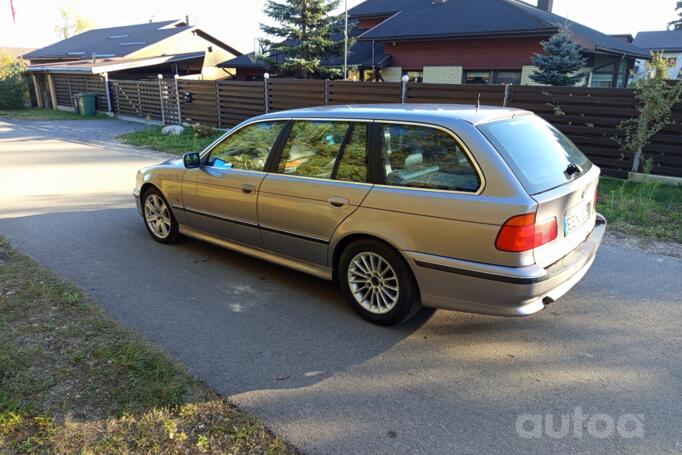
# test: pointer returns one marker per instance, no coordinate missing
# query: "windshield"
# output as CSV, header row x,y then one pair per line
x,y
540,155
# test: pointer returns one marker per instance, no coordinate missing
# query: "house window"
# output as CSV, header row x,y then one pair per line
x,y
415,76
477,77
602,80
492,77
507,77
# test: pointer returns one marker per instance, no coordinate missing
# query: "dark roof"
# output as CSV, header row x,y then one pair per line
x,y
358,55
424,19
371,8
111,42
666,40
108,65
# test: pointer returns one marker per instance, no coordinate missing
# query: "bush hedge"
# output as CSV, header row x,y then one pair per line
x,y
13,87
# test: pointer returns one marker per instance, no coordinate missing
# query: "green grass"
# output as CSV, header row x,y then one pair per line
x,y
47,114
152,138
651,210
73,381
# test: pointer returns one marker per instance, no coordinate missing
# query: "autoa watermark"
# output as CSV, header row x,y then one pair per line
x,y
579,425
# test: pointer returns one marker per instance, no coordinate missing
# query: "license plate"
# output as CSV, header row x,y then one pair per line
x,y
576,217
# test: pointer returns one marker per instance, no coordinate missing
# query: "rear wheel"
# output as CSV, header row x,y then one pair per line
x,y
378,283
158,217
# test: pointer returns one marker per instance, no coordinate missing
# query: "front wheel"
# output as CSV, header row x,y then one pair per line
x,y
378,283
158,217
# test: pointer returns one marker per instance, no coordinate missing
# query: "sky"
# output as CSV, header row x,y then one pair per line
x,y
236,21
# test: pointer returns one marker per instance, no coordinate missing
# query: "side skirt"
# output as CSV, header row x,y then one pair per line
x,y
321,272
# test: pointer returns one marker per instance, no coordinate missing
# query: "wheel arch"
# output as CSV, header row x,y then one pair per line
x,y
342,243
148,186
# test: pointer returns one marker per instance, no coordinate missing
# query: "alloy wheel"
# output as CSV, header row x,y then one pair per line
x,y
157,216
373,283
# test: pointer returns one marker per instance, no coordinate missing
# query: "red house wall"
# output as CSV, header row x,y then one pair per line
x,y
472,54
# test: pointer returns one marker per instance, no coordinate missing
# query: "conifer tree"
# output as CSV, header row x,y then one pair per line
x,y
561,62
308,32
677,23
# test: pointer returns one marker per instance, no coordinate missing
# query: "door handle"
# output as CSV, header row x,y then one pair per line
x,y
338,202
248,189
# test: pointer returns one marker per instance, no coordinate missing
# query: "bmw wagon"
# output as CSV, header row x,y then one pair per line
x,y
484,210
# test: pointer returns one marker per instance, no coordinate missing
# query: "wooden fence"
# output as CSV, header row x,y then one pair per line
x,y
67,85
137,99
590,117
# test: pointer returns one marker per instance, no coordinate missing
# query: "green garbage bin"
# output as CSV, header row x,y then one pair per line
x,y
85,103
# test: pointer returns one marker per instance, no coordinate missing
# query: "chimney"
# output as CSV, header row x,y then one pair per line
x,y
546,5
187,20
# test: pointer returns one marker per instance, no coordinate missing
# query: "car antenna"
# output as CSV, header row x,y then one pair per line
x,y
478,102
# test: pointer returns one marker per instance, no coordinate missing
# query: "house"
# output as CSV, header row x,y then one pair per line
x,y
486,41
669,42
364,59
464,41
139,52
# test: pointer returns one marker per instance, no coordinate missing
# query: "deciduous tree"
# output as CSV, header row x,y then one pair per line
x,y
71,23
13,89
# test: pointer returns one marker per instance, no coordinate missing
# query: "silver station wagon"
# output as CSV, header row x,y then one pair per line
x,y
484,210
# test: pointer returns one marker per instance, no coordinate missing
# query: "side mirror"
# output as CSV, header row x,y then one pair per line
x,y
191,160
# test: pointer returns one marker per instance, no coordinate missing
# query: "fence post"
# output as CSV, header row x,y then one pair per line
x,y
326,92
108,92
403,93
217,104
177,98
266,78
163,114
507,92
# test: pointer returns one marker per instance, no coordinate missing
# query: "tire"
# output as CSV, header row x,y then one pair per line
x,y
378,283
158,217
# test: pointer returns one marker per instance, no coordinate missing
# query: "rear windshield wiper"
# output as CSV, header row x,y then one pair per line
x,y
573,169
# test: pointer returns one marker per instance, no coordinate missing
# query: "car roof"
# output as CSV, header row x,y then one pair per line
x,y
428,113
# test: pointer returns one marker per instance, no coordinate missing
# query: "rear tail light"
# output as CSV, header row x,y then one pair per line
x,y
522,233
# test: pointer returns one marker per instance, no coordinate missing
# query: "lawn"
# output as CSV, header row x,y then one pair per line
x,y
189,141
646,209
72,381
47,114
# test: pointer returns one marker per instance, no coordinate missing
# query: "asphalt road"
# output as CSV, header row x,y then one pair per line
x,y
447,383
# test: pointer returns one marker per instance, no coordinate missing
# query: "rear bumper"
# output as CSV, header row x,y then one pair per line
x,y
501,291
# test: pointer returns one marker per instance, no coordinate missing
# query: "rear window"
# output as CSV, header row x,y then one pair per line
x,y
539,154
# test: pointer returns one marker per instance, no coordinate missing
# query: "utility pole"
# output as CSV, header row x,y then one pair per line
x,y
345,44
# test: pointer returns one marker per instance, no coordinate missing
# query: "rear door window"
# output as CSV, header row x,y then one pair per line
x,y
312,148
418,156
540,155
352,166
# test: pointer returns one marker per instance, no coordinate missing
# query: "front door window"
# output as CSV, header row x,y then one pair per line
x,y
248,148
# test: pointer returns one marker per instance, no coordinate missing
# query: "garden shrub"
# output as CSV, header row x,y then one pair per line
x,y
13,87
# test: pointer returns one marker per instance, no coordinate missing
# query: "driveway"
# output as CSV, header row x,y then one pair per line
x,y
286,347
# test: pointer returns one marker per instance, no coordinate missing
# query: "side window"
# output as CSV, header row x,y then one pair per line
x,y
422,157
248,148
312,148
353,164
